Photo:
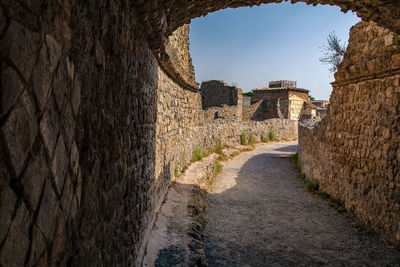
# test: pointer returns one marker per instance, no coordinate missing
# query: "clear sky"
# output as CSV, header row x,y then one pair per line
x,y
249,47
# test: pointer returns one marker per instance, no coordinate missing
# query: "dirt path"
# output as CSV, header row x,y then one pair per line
x,y
260,214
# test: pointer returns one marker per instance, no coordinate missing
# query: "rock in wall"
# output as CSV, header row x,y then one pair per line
x,y
354,152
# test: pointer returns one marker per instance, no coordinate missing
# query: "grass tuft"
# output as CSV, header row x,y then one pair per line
x,y
198,154
243,138
263,138
271,134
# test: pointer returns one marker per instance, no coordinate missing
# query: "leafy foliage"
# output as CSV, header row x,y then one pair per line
x,y
333,52
251,94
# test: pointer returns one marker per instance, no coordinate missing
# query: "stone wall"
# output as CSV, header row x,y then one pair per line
x,y
262,110
77,137
224,112
354,152
217,93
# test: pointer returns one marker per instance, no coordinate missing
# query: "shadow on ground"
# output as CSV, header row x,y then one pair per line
x,y
261,215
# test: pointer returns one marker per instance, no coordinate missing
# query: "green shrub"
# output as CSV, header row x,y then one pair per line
x,y
176,171
396,40
217,167
251,139
197,154
243,138
218,147
295,157
312,187
264,139
271,133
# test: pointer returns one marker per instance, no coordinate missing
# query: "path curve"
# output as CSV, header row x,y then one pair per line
x,y
260,214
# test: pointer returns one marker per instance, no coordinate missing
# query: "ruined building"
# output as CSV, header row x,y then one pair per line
x,y
99,106
289,99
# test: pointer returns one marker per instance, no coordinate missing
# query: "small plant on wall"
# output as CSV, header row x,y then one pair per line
x,y
218,146
271,134
197,154
264,138
243,138
251,139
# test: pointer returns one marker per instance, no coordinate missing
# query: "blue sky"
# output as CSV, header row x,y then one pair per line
x,y
249,47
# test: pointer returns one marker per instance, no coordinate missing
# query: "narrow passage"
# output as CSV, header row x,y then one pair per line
x,y
260,214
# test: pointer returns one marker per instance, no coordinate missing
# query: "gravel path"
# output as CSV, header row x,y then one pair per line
x,y
260,214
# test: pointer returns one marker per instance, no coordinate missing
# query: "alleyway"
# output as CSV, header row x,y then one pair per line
x,y
260,214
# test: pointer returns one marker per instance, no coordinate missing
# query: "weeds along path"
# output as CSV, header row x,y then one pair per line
x,y
260,214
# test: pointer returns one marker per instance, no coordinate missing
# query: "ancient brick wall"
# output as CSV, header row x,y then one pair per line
x,y
262,110
354,152
77,125
265,94
224,112
218,93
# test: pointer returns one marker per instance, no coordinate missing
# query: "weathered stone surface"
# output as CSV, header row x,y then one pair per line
x,y
54,49
3,21
41,77
21,45
33,179
74,159
7,207
12,87
46,218
351,153
69,124
59,164
13,253
67,196
49,127
38,246
20,130
76,96
61,85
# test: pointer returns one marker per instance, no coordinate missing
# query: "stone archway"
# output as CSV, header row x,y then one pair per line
x,y
162,18
81,97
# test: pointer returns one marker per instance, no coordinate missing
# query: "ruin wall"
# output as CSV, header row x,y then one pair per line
x,y
354,152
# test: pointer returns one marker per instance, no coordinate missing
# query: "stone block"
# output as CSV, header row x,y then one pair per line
x,y
41,77
61,85
54,49
74,159
59,164
69,124
38,246
20,131
70,68
49,127
12,88
76,96
46,219
33,179
16,245
7,207
58,245
21,46
67,196
63,28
